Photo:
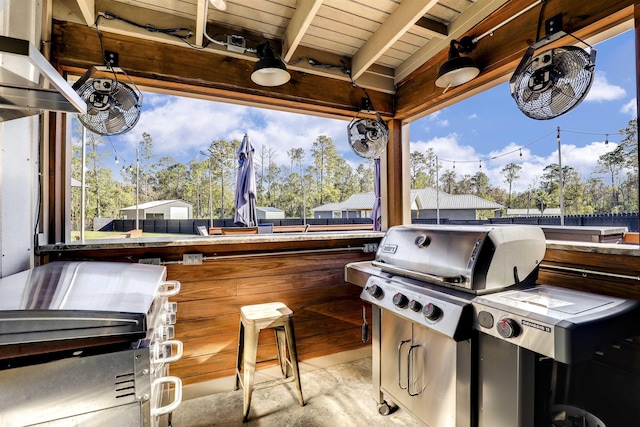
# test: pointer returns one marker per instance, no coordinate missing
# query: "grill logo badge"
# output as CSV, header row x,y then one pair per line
x,y
537,326
390,249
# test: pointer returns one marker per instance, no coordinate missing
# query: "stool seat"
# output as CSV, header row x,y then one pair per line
x,y
265,315
253,319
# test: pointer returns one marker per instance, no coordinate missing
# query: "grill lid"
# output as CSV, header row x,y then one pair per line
x,y
77,300
478,259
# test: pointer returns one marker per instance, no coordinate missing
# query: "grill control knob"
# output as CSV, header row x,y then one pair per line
x,y
400,300
374,290
432,312
422,241
415,306
508,328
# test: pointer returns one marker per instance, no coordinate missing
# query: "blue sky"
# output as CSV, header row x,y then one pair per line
x,y
482,127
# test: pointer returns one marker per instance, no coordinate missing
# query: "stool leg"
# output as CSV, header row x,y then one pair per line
x,y
281,343
249,362
239,359
293,354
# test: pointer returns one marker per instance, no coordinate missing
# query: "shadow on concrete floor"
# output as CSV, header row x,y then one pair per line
x,y
336,396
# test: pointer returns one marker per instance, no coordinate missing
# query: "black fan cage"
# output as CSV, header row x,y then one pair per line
x,y
367,137
119,115
553,82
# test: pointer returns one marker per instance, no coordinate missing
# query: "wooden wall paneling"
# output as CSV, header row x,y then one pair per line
x,y
614,266
327,310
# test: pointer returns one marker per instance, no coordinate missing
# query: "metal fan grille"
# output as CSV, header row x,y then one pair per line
x,y
367,138
111,112
553,82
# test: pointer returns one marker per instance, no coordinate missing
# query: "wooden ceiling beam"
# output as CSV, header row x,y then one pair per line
x,y
399,22
87,9
306,10
76,47
202,7
499,54
470,18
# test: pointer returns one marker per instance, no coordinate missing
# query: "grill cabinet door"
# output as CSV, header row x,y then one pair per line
x,y
436,378
396,339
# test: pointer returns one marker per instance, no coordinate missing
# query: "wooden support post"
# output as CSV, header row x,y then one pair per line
x,y
636,25
395,192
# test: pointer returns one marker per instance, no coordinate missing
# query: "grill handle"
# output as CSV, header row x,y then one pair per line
x,y
177,397
403,342
169,345
169,288
427,277
409,370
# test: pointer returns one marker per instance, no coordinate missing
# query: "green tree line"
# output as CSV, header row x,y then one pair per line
x,y
306,180
314,177
611,188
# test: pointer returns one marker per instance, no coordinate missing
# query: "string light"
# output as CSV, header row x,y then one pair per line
x,y
117,161
519,149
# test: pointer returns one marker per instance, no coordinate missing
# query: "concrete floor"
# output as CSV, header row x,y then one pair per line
x,y
336,396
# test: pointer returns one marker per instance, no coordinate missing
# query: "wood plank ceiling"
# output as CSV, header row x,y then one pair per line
x,y
391,48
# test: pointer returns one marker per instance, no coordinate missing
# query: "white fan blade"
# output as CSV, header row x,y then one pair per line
x,y
562,96
115,121
124,97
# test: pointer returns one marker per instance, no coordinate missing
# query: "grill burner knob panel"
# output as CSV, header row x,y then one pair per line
x,y
508,328
415,306
400,301
375,291
432,312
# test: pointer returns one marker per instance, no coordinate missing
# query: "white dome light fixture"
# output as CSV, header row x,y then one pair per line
x,y
270,70
458,69
219,4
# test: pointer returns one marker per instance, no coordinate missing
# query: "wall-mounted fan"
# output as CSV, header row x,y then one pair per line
x,y
552,83
368,137
113,107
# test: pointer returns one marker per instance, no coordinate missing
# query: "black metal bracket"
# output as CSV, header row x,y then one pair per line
x,y
110,58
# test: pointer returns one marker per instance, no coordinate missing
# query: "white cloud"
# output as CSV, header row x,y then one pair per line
x,y
435,118
630,108
468,160
180,127
472,116
602,90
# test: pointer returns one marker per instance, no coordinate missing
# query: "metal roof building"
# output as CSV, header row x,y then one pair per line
x,y
159,209
425,203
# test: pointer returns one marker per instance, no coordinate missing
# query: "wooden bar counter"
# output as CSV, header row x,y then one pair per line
x,y
305,271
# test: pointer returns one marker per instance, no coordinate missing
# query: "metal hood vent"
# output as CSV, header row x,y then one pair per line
x,y
25,77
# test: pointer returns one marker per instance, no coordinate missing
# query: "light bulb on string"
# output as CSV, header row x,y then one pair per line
x,y
521,153
117,161
480,161
454,164
606,139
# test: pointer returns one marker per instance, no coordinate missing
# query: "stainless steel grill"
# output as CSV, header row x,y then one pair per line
x,y
88,343
423,338
464,336
477,259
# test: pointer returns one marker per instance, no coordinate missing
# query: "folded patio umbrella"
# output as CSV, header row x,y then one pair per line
x,y
245,200
376,211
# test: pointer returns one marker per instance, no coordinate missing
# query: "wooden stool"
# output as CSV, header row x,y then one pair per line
x,y
253,319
